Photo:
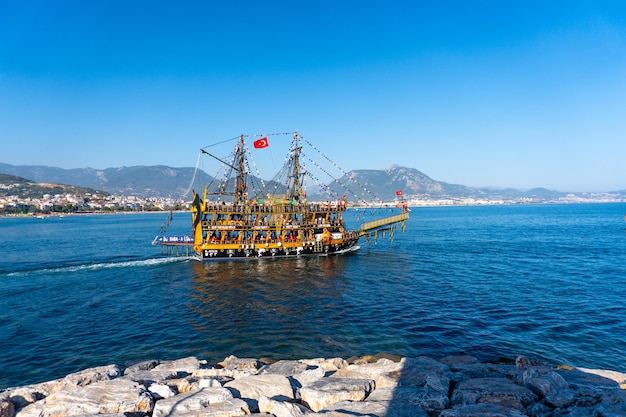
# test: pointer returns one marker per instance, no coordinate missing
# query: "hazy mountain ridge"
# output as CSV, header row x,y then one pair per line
x,y
140,181
13,185
362,184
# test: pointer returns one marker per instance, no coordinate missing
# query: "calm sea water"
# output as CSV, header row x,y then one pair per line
x,y
548,281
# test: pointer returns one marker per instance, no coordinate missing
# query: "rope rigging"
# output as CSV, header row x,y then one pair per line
x,y
343,172
257,187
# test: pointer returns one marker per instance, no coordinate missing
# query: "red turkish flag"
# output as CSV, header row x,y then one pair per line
x,y
399,192
261,143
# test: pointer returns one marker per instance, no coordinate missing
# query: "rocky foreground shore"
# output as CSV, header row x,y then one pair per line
x,y
382,385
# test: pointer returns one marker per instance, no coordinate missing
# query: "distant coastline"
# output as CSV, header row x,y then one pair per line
x,y
411,202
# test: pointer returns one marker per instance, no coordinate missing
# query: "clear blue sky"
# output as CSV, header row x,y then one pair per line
x,y
482,93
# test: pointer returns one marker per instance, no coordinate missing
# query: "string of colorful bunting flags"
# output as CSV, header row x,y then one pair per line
x,y
343,172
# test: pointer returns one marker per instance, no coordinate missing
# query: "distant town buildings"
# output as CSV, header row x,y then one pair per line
x,y
70,203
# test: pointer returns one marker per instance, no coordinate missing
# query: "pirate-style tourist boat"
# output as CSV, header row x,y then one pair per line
x,y
242,216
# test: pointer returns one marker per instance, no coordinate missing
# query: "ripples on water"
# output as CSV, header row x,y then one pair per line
x,y
546,281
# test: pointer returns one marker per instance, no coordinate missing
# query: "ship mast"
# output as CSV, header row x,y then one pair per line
x,y
241,181
297,175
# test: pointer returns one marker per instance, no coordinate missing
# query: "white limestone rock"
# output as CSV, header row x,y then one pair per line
x,y
209,383
241,364
381,380
142,366
253,387
196,403
182,367
230,408
22,396
327,391
103,397
329,365
302,372
280,408
618,377
384,372
382,366
7,408
91,375
148,377
184,385
161,391
221,373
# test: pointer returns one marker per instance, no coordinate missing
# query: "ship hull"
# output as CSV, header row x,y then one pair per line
x,y
263,251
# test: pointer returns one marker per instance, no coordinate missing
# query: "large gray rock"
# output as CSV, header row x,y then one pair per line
x,y
142,366
482,410
410,398
497,391
327,391
253,387
151,376
416,371
87,376
550,385
454,361
484,370
285,368
384,372
613,404
204,402
103,397
372,408
302,372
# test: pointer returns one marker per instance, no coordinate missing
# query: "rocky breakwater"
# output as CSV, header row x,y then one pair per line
x,y
382,385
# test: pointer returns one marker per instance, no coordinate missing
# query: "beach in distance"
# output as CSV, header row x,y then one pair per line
x,y
492,282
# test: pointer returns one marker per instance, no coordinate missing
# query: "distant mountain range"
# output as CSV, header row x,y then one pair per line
x,y
13,185
164,181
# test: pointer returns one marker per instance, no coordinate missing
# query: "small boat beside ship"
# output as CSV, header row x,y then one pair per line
x,y
241,216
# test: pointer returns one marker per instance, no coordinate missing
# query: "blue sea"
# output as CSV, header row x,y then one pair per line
x,y
547,281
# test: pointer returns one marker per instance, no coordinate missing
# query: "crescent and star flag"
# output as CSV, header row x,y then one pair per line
x,y
399,192
261,143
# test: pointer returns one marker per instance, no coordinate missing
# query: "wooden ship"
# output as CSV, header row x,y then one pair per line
x,y
235,218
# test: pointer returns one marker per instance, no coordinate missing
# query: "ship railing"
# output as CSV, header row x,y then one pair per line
x,y
284,206
172,240
175,246
386,221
